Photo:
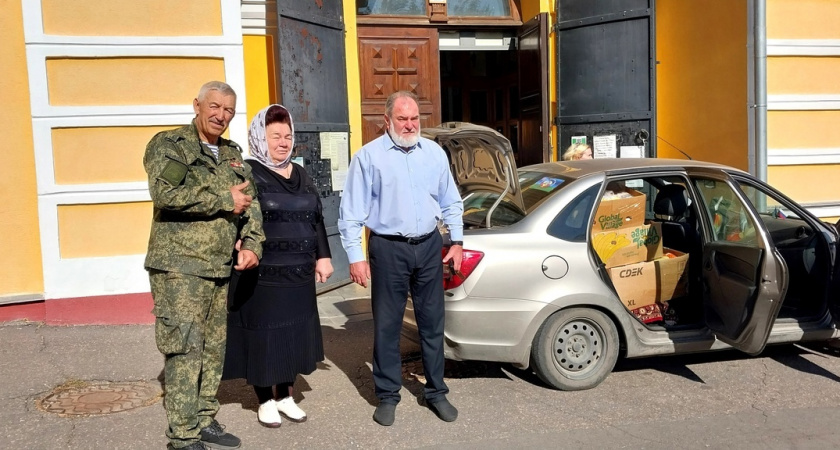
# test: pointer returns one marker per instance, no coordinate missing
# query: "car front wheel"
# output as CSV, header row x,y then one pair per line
x,y
575,349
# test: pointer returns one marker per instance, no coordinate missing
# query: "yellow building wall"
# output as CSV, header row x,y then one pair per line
x,y
102,101
701,80
128,80
21,271
803,19
131,18
260,78
803,129
354,96
806,183
78,153
87,231
809,26
804,75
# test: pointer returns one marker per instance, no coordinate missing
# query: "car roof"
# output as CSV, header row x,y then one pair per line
x,y
582,168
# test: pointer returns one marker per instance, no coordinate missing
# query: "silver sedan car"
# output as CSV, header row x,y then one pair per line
x,y
570,265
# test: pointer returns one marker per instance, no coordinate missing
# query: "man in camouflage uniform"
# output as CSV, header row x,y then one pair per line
x,y
203,207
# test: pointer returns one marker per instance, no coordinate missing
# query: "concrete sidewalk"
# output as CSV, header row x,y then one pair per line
x,y
111,364
693,401
347,303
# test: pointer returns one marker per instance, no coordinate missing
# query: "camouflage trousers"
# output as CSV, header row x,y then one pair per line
x,y
190,330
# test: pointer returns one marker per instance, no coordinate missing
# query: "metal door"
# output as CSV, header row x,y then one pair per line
x,y
534,147
312,83
606,66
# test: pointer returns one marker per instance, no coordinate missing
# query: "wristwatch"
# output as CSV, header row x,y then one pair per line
x,y
461,243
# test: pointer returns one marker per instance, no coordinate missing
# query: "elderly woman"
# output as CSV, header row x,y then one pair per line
x,y
577,151
274,332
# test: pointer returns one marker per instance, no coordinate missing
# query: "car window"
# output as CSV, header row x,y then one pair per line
x,y
478,203
725,211
572,223
535,188
783,225
766,204
538,186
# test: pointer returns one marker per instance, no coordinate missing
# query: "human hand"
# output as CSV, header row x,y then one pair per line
x,y
360,273
456,255
241,200
238,245
323,270
246,259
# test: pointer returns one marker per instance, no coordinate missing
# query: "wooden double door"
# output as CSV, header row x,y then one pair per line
x,y
407,58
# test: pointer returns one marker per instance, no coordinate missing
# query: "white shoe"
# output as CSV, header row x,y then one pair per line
x,y
291,410
268,416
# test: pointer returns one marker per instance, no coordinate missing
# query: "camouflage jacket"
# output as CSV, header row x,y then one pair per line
x,y
193,227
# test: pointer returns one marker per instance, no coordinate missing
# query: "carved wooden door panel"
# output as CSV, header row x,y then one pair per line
x,y
392,59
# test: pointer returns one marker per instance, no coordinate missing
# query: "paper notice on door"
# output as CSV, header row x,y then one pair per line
x,y
578,140
632,151
604,146
335,147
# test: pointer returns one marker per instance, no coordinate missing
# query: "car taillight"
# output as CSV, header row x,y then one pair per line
x,y
452,279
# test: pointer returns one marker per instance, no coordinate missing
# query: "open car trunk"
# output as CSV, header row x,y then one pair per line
x,y
481,160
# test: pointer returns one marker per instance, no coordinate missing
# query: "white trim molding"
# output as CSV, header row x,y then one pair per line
x,y
802,156
827,210
37,62
803,102
82,277
119,274
803,47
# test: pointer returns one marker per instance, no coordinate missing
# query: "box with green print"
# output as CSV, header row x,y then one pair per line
x,y
628,245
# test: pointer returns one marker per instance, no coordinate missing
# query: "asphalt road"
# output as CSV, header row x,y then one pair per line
x,y
788,397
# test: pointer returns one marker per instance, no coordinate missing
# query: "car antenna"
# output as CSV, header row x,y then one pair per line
x,y
675,147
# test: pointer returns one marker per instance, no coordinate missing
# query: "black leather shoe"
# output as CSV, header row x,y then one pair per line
x,y
443,409
384,414
214,436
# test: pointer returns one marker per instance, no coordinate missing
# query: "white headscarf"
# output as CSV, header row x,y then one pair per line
x,y
259,146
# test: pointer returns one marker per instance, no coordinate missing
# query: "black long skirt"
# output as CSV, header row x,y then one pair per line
x,y
274,332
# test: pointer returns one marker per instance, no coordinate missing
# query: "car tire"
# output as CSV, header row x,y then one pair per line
x,y
575,349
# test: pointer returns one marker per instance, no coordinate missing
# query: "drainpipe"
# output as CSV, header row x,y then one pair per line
x,y
760,85
557,76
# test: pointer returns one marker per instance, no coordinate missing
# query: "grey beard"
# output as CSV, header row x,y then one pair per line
x,y
404,142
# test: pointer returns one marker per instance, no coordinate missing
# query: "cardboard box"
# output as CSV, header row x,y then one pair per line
x,y
646,283
620,212
629,245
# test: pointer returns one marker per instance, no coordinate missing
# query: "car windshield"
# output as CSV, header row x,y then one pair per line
x,y
535,187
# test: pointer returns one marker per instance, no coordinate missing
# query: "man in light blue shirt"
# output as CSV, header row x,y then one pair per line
x,y
399,186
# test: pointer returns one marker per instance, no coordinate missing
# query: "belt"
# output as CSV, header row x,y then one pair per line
x,y
409,240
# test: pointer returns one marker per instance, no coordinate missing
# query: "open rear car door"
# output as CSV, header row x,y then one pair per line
x,y
744,276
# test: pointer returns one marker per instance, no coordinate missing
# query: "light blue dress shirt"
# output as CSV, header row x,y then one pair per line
x,y
397,192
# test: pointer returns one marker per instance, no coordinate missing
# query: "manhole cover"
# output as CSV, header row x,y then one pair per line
x,y
98,397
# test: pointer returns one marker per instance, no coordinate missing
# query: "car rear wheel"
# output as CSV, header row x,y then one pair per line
x,y
575,349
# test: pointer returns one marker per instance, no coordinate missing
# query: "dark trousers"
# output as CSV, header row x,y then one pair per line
x,y
398,267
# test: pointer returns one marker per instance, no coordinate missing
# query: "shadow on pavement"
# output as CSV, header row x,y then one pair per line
x,y
788,355
349,349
